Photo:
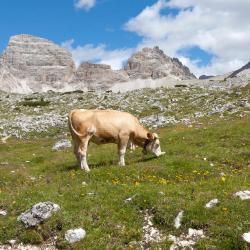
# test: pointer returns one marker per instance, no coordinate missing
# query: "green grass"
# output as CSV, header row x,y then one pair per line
x,y
186,179
34,103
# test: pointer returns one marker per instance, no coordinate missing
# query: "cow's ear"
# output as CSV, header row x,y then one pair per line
x,y
150,136
155,136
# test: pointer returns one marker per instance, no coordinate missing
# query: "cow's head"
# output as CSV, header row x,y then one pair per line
x,y
152,144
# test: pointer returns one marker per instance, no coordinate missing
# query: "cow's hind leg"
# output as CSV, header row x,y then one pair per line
x,y
122,146
76,151
82,150
131,145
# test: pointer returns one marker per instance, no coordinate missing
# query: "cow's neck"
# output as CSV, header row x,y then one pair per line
x,y
141,136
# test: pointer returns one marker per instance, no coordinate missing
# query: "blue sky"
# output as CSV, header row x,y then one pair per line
x,y
207,36
59,20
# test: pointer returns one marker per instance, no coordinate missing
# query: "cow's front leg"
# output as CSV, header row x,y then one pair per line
x,y
83,154
122,146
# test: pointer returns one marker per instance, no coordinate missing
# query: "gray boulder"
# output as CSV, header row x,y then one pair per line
x,y
74,235
38,213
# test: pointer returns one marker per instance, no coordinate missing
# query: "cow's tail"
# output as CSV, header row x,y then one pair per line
x,y
71,125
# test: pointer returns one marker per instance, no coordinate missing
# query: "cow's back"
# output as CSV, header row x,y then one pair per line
x,y
107,123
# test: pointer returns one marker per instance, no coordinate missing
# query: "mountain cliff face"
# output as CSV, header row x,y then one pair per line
x,y
32,64
36,61
153,63
99,76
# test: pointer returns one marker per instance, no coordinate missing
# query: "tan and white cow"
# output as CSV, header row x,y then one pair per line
x,y
109,126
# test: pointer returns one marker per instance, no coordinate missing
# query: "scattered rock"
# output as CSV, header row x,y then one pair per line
x,y
244,195
212,203
38,213
130,199
91,193
12,242
62,144
3,212
74,235
246,237
150,233
20,247
157,121
4,139
186,241
48,245
4,163
178,219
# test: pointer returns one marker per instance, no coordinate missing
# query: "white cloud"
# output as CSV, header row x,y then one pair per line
x,y
85,4
219,27
98,54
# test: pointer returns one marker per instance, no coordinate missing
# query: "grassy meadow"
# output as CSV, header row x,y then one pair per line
x,y
201,163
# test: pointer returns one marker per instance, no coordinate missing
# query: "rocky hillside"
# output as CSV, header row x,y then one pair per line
x,y
24,115
32,64
153,63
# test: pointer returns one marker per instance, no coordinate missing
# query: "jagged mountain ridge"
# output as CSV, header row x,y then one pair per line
x,y
153,63
242,72
33,64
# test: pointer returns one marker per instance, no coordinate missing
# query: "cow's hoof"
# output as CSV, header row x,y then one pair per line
x,y
85,169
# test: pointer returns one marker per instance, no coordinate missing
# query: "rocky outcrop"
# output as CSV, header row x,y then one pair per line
x,y
99,76
34,61
38,59
154,64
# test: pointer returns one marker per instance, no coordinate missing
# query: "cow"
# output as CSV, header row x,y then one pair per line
x,y
109,126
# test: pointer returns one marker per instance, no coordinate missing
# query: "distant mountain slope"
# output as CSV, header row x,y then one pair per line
x,y
242,72
33,64
204,77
